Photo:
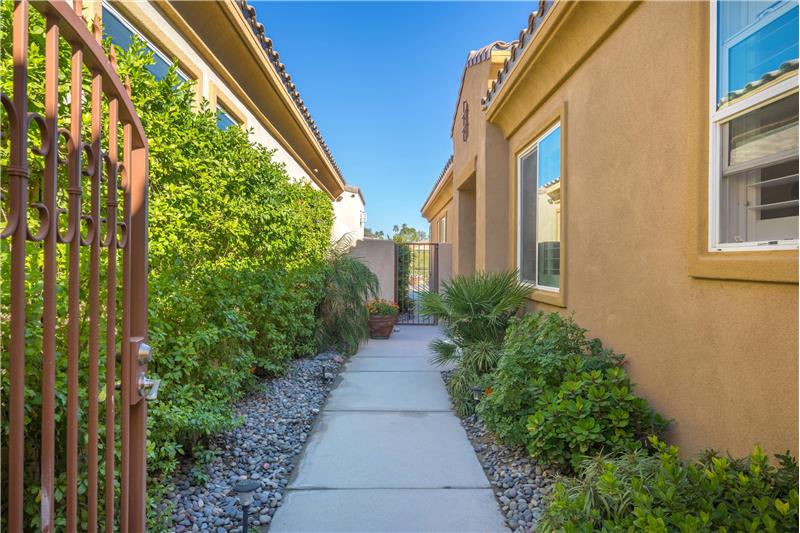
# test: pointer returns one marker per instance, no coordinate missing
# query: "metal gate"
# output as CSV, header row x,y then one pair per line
x,y
416,272
71,206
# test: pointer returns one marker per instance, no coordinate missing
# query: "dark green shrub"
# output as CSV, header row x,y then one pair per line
x,y
589,411
475,311
536,346
561,395
638,492
403,274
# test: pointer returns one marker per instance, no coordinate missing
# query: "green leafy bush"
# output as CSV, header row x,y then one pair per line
x,y
537,345
475,311
236,254
561,395
638,492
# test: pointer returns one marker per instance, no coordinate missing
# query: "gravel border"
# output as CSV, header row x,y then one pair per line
x,y
277,420
520,485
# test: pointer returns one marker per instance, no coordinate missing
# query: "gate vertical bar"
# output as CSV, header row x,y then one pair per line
x,y
94,294
435,284
125,400
47,504
137,248
73,325
18,181
111,308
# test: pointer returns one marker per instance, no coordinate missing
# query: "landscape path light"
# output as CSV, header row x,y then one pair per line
x,y
244,490
476,394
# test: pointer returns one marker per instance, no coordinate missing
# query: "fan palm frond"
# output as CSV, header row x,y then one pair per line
x,y
445,352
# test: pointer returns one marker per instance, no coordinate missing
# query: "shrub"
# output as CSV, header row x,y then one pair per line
x,y
536,346
589,411
638,492
382,308
475,311
342,312
561,395
404,257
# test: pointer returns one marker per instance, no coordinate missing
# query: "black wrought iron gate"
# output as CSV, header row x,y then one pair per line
x,y
416,272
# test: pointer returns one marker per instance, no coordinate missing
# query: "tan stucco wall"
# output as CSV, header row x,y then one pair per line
x,y
476,162
378,255
445,267
720,357
464,236
444,212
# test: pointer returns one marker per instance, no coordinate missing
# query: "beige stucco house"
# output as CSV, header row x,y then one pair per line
x,y
637,162
350,215
227,53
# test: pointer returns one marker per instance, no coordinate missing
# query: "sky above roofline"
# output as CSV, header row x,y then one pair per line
x,y
381,80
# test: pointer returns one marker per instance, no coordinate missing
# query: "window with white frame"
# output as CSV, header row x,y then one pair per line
x,y
121,32
754,126
539,212
443,229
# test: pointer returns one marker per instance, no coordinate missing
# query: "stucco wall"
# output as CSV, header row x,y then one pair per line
x,y
719,357
445,263
347,214
476,161
378,255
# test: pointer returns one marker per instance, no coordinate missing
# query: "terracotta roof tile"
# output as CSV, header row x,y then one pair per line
x,y
274,57
525,35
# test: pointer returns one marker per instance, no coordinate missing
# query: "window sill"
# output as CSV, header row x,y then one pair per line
x,y
773,266
549,297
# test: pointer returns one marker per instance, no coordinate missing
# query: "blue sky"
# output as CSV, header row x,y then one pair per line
x,y
381,80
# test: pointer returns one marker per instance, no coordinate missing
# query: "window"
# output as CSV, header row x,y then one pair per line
x,y
754,126
121,33
224,118
539,212
443,229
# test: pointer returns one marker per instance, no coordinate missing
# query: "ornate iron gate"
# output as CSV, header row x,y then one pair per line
x,y
416,272
58,324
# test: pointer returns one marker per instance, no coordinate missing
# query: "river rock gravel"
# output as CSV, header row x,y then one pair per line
x,y
520,484
277,420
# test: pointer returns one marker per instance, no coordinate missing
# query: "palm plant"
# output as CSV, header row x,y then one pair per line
x,y
475,311
342,313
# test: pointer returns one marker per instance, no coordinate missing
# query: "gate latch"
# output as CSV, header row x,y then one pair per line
x,y
148,388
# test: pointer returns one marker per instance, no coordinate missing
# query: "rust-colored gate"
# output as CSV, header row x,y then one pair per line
x,y
76,244
416,272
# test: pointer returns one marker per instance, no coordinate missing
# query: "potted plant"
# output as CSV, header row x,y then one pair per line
x,y
382,318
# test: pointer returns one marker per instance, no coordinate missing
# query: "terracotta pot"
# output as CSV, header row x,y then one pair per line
x,y
380,327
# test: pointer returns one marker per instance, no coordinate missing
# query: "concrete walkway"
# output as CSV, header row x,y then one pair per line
x,y
387,453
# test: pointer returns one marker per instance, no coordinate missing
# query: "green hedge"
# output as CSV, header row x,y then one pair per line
x,y
237,267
